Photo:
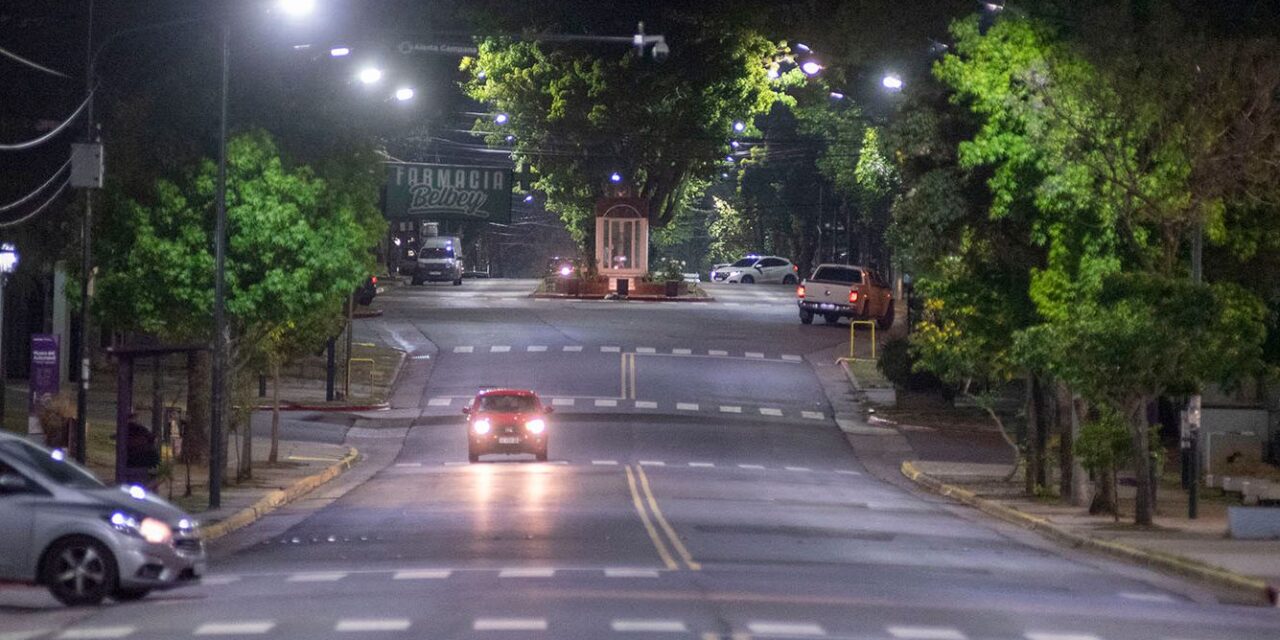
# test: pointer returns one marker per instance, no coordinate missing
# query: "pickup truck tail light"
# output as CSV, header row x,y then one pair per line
x,y
800,292
853,296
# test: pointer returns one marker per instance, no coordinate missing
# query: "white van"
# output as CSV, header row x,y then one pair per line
x,y
439,260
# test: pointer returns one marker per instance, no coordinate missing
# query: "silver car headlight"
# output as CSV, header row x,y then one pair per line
x,y
149,529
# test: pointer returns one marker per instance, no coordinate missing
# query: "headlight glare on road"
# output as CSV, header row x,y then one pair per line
x,y
537,425
480,426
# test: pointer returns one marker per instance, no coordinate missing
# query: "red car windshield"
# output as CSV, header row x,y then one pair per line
x,y
508,404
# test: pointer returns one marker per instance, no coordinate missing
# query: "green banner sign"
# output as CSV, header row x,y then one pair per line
x,y
448,192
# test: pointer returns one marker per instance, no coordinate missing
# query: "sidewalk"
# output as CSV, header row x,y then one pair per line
x,y
954,454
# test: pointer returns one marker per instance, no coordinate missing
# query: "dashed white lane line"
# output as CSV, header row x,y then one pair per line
x,y
464,349
235,628
622,572
509,624
652,463
717,352
813,415
23,635
1147,597
562,402
605,463
770,411
791,358
499,348
730,409
330,576
649,626
389,624
646,350
751,466
94,633
702,464
756,355
610,349
686,406
802,469
1054,635
646,404
601,402
682,352
786,629
926,633
439,402
573,348
536,348
422,574
532,572
406,465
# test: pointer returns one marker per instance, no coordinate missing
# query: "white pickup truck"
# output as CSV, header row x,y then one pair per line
x,y
837,291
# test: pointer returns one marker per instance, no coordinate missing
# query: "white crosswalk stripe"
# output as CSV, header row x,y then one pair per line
x,y
1054,635
646,350
649,626
509,624
464,349
422,574
605,463
702,464
439,402
717,352
682,352
610,349
730,409
769,411
686,406
926,633
562,402
328,576
530,572
755,355
573,348
499,348
791,358
652,463
24,635
624,572
646,404
751,466
798,469
813,415
604,402
235,628
388,624
786,629
95,633
536,348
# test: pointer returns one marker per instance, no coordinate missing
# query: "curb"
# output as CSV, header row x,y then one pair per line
x,y
350,408
1252,589
278,498
562,296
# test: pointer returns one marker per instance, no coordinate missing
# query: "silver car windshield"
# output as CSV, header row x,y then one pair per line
x,y
52,465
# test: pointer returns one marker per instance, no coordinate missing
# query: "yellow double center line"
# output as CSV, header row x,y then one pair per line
x,y
659,542
628,376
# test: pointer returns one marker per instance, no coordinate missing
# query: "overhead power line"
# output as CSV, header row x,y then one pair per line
x,y
33,65
20,201
46,137
37,211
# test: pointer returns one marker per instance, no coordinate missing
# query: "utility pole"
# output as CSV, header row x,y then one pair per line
x,y
1191,441
86,266
217,457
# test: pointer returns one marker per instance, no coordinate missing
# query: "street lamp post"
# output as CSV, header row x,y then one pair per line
x,y
8,262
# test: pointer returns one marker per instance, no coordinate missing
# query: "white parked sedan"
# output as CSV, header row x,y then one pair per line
x,y
753,269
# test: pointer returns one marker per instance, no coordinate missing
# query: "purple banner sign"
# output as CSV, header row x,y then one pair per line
x,y
44,384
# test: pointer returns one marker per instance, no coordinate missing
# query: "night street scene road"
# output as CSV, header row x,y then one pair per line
x,y
720,320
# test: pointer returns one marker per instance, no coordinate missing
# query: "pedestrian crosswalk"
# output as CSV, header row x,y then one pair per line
x,y
688,352
444,405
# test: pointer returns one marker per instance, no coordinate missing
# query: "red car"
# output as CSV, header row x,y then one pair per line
x,y
507,421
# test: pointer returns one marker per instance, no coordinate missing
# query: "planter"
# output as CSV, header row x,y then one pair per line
x,y
673,288
573,286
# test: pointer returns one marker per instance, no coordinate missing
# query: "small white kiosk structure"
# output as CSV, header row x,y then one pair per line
x,y
622,239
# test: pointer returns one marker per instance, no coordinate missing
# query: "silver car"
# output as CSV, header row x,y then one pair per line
x,y
62,528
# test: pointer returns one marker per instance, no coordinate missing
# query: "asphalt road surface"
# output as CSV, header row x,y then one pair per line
x,y
697,488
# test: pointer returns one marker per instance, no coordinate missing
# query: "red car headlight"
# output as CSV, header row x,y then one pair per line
x,y
536,426
481,426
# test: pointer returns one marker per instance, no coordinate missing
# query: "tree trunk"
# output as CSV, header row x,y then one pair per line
x,y
1143,505
195,441
1066,440
1035,457
274,455
1104,496
1080,486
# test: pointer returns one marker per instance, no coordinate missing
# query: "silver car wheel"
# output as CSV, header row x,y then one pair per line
x,y
81,570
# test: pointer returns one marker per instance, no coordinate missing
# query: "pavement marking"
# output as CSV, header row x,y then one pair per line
x,y
648,524
652,463
791,358
630,573
770,411
682,352
408,464
331,576
717,352
1147,597
610,349
798,469
235,628
562,402
23,635
456,463
601,402
509,624
649,626
662,521
686,406
813,415
218,580
750,466
464,349
786,629
92,633
733,304
926,633
422,357
646,350
439,402
388,624
646,404
1053,635
605,463
730,409
573,348
536,348
422,574
499,348
530,572
702,464
755,355
846,472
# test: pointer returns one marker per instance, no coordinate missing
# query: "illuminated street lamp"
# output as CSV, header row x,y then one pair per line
x,y
739,126
811,68
370,75
404,94
339,52
501,118
615,177
297,7
892,82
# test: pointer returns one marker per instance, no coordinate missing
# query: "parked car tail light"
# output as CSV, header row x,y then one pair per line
x,y
800,292
795,268
373,279
536,426
480,426
853,296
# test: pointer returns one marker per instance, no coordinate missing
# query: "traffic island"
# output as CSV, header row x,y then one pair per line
x,y
603,288
1194,549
